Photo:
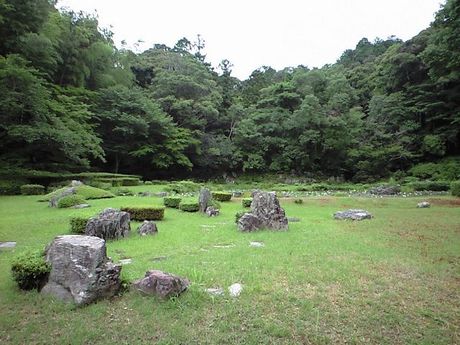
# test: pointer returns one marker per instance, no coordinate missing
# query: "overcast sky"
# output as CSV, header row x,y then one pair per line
x,y
253,33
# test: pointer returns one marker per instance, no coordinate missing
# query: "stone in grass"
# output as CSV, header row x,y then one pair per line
x,y
161,284
81,206
211,211
293,220
352,214
215,291
256,244
147,228
109,224
125,261
235,289
423,204
7,244
80,272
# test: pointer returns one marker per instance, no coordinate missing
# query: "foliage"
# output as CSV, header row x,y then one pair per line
x,y
183,187
429,186
172,201
86,192
238,215
455,188
10,187
70,200
30,270
141,213
298,201
78,224
246,202
447,170
222,196
189,206
32,189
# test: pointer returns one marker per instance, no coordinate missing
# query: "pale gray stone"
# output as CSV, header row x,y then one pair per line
x,y
7,244
76,183
211,211
256,244
423,204
215,291
235,289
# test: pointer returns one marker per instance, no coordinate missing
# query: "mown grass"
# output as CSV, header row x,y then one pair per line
x,y
391,280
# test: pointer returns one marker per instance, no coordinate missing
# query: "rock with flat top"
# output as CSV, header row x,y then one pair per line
x,y
211,211
80,270
352,214
161,284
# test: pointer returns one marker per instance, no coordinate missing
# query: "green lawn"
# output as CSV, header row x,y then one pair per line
x,y
390,280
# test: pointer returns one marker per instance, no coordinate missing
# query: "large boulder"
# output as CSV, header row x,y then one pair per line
x,y
55,199
161,284
266,213
204,199
80,270
147,228
385,190
109,224
352,214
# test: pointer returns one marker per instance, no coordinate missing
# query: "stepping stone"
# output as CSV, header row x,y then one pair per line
x,y
224,246
256,244
215,291
125,261
7,244
235,289
81,206
293,220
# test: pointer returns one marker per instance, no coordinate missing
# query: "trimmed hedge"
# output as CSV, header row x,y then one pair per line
x,y
189,206
246,202
222,196
455,188
142,213
78,224
30,270
435,186
70,200
172,201
298,201
32,189
11,187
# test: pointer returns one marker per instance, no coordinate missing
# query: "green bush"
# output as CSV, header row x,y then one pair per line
x,y
87,192
246,202
222,196
148,183
141,213
238,215
435,186
70,200
183,187
32,189
11,187
298,201
172,201
455,188
124,192
30,270
214,203
119,181
189,206
78,224
447,169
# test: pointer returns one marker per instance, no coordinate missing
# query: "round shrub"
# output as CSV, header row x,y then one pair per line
x,y
148,183
188,206
298,201
222,196
30,270
141,213
70,200
172,201
246,202
32,189
455,188
78,224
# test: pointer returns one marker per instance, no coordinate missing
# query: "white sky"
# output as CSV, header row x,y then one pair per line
x,y
253,33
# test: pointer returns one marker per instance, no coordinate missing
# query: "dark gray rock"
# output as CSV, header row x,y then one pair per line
x,y
352,214
237,194
80,270
211,211
266,213
109,224
161,284
204,199
147,228
385,190
55,199
423,204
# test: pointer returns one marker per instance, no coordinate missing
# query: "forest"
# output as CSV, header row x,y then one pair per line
x,y
71,101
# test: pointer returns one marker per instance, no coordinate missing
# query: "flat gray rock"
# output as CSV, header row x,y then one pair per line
x,y
293,220
7,244
215,291
256,244
147,228
352,214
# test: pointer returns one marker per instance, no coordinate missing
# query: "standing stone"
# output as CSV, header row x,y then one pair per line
x,y
147,228
109,224
80,270
352,214
162,284
55,199
266,212
204,199
212,211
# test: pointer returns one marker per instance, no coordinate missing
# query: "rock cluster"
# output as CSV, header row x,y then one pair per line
x,y
266,213
161,284
352,214
80,270
109,224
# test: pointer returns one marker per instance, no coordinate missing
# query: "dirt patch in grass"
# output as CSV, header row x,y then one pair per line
x,y
445,202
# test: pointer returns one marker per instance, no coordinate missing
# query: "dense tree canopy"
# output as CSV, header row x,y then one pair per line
x,y
70,101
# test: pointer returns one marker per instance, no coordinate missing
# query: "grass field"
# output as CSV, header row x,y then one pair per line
x,y
394,279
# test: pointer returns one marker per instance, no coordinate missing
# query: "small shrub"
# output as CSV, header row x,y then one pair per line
x,y
455,188
10,187
238,215
70,200
172,201
222,196
78,224
87,192
188,206
141,213
183,187
298,201
32,189
148,183
246,202
30,270
435,186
